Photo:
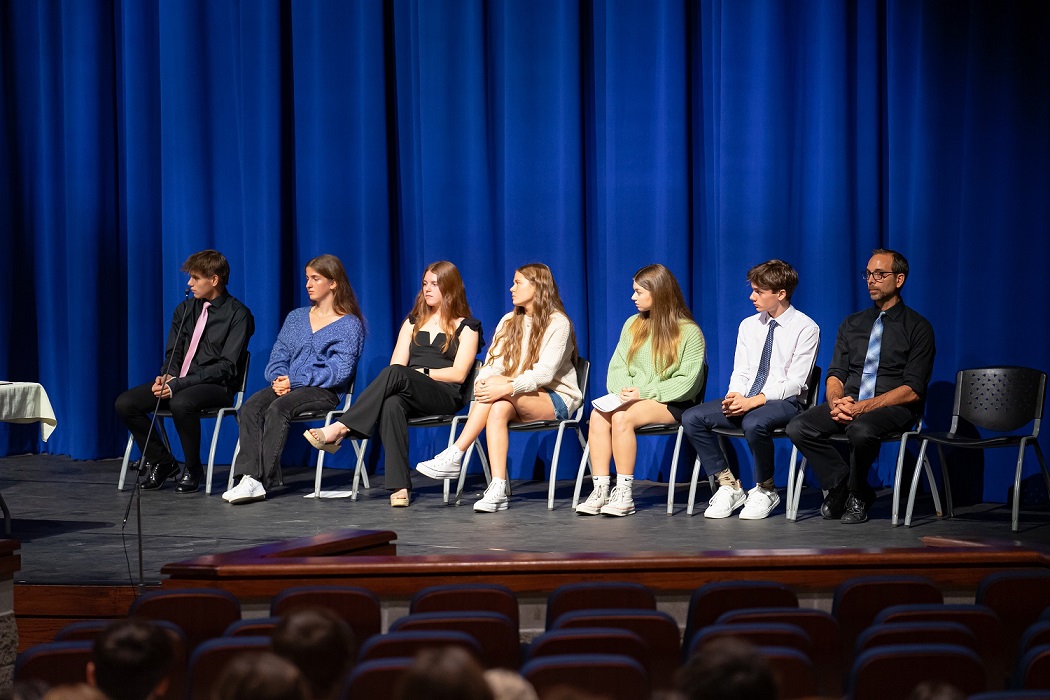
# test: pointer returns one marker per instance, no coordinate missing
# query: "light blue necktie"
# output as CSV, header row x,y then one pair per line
x,y
871,361
763,363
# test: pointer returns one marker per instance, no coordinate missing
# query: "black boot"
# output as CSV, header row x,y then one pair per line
x,y
157,474
191,479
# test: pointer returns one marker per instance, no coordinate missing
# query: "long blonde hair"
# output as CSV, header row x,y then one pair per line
x,y
453,301
507,343
661,321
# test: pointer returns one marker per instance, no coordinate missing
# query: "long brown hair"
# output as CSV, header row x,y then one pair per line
x,y
661,320
507,344
344,299
453,301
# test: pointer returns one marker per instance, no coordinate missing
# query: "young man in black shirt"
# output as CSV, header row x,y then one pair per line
x,y
203,359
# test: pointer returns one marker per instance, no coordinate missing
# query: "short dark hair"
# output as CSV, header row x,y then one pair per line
x,y
207,263
443,673
727,669
774,275
320,643
131,657
900,263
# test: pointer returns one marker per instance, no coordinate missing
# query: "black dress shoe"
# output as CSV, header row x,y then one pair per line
x,y
190,481
856,511
157,474
834,503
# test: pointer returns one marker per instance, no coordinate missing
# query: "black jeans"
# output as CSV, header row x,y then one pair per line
x,y
264,420
135,405
397,394
810,431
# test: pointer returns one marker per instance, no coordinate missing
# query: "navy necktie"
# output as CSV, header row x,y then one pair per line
x,y
763,364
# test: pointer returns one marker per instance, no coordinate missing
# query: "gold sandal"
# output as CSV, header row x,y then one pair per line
x,y
319,443
400,501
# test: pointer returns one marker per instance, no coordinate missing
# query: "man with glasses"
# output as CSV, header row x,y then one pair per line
x,y
876,385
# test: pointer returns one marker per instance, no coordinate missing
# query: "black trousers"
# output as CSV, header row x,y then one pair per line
x,y
810,431
264,420
397,394
136,405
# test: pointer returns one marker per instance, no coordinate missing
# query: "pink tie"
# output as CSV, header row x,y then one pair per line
x,y
195,339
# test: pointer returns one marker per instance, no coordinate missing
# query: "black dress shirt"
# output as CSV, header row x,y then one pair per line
x,y
221,348
907,352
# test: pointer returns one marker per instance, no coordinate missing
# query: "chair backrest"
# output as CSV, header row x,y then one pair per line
x,y
918,632
656,627
408,643
1002,399
893,671
55,663
712,599
583,376
242,370
1033,670
981,620
375,679
812,389
793,670
1017,597
1037,634
598,594
495,634
823,631
779,634
211,657
81,630
590,640
466,596
252,627
201,613
612,676
358,606
858,600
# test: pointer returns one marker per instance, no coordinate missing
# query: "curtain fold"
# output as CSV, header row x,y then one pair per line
x,y
597,136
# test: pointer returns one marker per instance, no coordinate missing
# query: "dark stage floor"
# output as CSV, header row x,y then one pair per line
x,y
67,515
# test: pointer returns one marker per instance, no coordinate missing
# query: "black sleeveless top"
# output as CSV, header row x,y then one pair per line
x,y
425,351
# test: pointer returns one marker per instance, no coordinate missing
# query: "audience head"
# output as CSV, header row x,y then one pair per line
x,y
936,690
509,685
79,691
208,263
344,300
774,275
320,643
130,660
261,676
447,673
727,669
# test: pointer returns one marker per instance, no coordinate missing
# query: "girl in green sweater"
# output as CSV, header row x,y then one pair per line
x,y
653,377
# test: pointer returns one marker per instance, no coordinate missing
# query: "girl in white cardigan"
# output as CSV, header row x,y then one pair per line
x,y
529,374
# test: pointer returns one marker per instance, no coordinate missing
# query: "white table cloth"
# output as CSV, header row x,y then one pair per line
x,y
27,402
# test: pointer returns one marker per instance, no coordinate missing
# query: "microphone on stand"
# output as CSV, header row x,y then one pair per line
x,y
136,496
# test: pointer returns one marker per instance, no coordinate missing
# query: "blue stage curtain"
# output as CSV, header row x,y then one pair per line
x,y
595,136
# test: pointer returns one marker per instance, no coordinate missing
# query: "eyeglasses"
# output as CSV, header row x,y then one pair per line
x,y
877,275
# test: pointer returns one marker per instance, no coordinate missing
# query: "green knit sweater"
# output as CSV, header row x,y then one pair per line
x,y
676,383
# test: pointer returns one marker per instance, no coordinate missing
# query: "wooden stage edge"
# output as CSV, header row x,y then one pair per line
x,y
368,558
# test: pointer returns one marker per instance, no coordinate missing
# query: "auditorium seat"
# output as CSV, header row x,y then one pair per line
x,y
466,596
358,606
598,594
201,613
611,676
712,599
495,633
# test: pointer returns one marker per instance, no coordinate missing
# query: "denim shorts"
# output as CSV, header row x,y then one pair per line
x,y
561,411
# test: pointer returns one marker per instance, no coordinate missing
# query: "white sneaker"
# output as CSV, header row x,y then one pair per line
x,y
724,502
444,465
247,491
760,503
620,502
495,498
598,498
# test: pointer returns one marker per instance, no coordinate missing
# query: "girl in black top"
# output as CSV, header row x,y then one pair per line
x,y
432,360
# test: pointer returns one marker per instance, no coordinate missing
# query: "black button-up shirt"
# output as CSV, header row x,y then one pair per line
x,y
221,348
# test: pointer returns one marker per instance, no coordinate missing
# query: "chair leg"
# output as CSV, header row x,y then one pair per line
x,y
584,463
692,487
674,470
933,484
211,452
124,465
233,464
554,467
1015,516
796,478
897,482
359,470
915,482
